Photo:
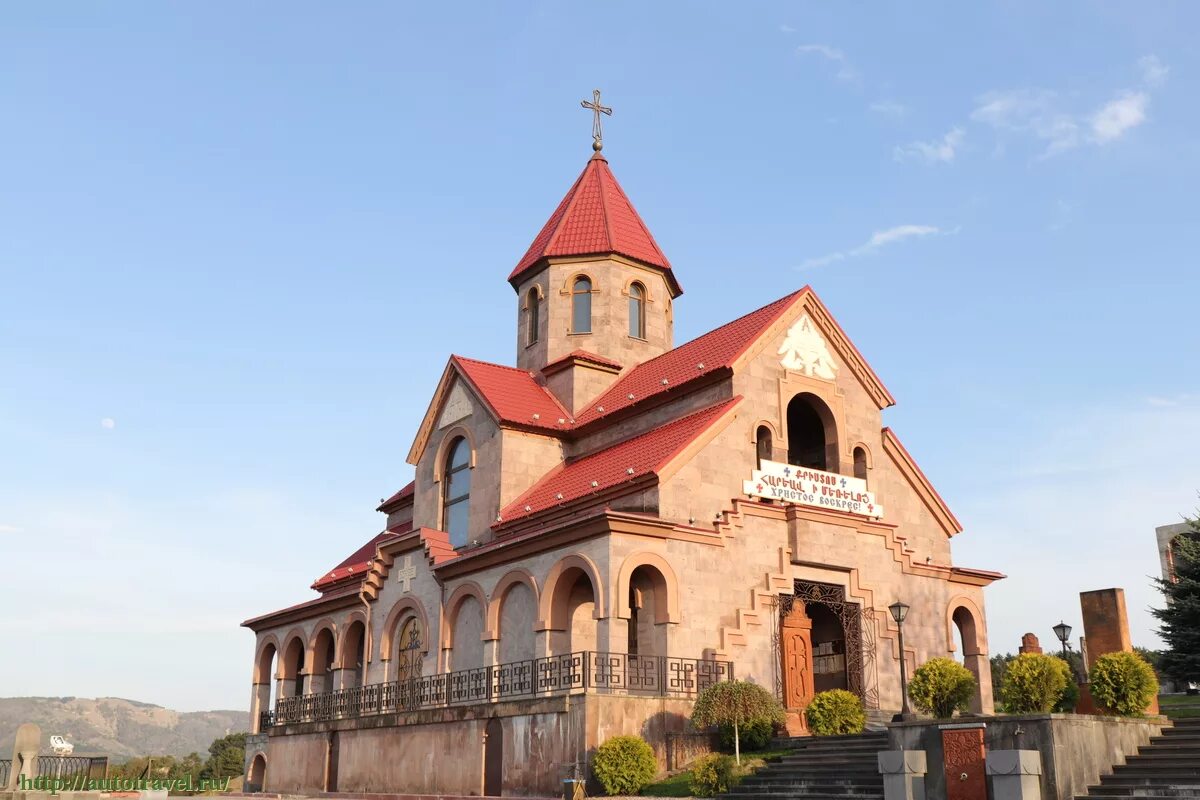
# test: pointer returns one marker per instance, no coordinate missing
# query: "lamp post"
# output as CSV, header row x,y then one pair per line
x,y
899,612
1063,631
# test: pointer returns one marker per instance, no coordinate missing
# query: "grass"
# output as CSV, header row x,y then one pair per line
x,y
1179,706
679,784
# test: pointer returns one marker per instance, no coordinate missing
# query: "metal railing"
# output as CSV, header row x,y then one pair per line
x,y
62,767
586,671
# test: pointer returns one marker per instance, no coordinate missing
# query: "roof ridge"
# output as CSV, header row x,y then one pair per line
x,y
573,195
490,364
638,218
604,215
656,429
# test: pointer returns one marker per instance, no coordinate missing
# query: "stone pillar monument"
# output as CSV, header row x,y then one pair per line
x,y
25,754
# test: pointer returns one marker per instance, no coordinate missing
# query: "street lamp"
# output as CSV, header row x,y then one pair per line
x,y
1063,631
899,612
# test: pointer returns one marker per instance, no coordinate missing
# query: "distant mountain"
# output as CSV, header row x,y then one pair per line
x,y
117,728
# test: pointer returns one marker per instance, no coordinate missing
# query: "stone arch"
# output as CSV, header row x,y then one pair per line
x,y
352,644
257,776
291,663
641,281
450,615
325,624
812,434
866,451
406,606
322,658
268,649
506,582
451,434
569,284
964,613
666,587
552,605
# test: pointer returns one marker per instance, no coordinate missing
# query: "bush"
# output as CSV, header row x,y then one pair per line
x,y
941,686
1034,683
1069,700
712,774
1123,684
624,764
755,735
835,713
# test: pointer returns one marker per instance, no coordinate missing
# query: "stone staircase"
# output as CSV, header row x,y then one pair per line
x,y
1168,767
821,768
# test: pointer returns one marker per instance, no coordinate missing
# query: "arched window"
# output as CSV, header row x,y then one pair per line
x,y
408,658
637,310
581,306
456,491
762,445
860,463
808,444
531,317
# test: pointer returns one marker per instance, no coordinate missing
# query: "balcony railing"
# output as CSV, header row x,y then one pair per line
x,y
587,671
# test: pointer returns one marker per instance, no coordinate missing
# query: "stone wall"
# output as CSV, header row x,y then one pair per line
x,y
1076,749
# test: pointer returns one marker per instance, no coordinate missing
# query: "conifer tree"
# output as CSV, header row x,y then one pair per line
x,y
1180,617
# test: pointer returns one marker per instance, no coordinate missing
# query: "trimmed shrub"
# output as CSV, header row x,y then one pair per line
x,y
712,774
755,735
941,686
624,764
1123,684
737,704
835,713
1034,683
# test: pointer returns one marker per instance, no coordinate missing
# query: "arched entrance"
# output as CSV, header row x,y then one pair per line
x,y
493,758
354,647
292,684
324,659
257,777
839,637
974,656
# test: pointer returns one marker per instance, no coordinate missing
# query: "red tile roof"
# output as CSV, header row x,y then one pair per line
x,y
514,395
395,499
580,355
596,218
357,563
621,463
714,350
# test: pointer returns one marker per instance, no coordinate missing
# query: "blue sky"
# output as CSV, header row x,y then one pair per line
x,y
238,242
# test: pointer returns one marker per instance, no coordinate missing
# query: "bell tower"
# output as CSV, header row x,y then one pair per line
x,y
594,291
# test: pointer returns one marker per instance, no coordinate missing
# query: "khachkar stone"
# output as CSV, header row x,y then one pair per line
x,y
1030,644
25,753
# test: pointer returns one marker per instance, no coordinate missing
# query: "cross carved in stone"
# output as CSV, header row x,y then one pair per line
x,y
406,573
597,110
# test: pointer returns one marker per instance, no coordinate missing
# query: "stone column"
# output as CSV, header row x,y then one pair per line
x,y
260,701
1016,774
25,752
612,634
903,774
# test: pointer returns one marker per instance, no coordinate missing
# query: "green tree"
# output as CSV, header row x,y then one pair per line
x,y
1123,683
940,687
226,757
999,664
736,703
1180,617
1034,683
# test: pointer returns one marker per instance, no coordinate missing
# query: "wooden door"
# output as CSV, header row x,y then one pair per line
x,y
493,758
963,760
796,653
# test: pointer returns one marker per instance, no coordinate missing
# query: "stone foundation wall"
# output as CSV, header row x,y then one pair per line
x,y
441,751
1076,749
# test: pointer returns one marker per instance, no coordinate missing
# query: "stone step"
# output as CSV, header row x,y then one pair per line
x,y
1145,791
1154,755
1175,743
1150,777
807,795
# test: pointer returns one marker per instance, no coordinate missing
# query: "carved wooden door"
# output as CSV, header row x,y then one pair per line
x,y
796,653
963,757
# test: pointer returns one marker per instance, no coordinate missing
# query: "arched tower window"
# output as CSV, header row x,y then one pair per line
x,y
532,318
762,445
637,310
860,463
810,433
456,491
581,306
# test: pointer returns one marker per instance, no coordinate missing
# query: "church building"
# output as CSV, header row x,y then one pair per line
x,y
599,532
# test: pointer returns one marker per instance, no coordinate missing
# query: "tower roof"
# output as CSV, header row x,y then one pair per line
x,y
596,218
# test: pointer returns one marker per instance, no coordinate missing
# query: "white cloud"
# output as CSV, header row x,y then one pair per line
x,y
878,239
889,108
938,151
845,71
9,529
1029,111
108,423
1154,72
786,29
1117,116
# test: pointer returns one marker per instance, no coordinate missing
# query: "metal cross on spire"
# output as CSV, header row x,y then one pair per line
x,y
597,110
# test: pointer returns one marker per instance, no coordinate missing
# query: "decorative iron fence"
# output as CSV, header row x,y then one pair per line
x,y
587,671
66,767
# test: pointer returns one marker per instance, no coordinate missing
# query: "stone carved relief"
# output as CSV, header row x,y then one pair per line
x,y
458,406
804,351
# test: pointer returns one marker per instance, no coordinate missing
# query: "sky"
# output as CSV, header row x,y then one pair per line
x,y
239,241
